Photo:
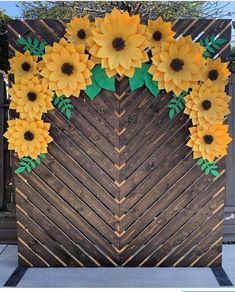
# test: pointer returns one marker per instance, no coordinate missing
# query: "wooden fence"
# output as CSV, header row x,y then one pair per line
x,y
7,204
119,187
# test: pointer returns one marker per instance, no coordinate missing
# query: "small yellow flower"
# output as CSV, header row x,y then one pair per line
x,y
209,143
159,31
207,104
178,66
66,68
23,64
30,97
216,71
28,138
78,31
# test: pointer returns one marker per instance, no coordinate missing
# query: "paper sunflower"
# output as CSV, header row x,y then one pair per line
x,y
216,71
178,66
159,31
28,138
23,64
30,97
210,142
207,104
119,43
66,68
78,31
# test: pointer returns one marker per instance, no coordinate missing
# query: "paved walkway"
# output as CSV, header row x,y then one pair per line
x,y
115,277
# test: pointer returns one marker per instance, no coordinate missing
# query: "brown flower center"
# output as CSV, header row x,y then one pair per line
x,y
32,96
213,75
81,34
206,104
118,43
177,64
208,139
25,66
67,68
29,136
157,36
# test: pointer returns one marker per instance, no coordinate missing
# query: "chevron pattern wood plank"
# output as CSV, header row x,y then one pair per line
x,y
119,187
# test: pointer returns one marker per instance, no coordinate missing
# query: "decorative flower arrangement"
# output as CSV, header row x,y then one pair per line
x,y
88,58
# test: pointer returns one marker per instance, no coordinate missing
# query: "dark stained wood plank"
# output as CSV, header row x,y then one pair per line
x,y
49,210
44,237
81,142
37,247
187,236
30,256
55,233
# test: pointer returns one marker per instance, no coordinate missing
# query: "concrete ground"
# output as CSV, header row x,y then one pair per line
x,y
115,277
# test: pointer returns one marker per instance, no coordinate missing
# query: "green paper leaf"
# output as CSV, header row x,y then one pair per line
x,y
93,89
203,167
215,173
22,41
200,161
177,103
211,45
220,41
102,79
20,170
38,161
171,113
28,168
206,54
33,164
27,159
42,155
29,40
68,114
64,105
137,79
151,84
209,167
35,47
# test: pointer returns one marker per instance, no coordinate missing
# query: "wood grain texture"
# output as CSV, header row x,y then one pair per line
x,y
119,187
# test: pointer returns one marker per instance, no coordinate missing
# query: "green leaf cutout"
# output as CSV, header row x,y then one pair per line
x,y
64,105
99,80
176,104
208,167
34,46
28,163
102,78
93,89
212,45
142,77
137,79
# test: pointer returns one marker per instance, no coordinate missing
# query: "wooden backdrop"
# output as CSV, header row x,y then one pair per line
x,y
119,187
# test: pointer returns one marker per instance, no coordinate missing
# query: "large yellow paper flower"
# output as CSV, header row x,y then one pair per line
x,y
210,142
207,104
178,66
23,64
78,30
119,43
159,31
30,97
66,68
216,71
28,138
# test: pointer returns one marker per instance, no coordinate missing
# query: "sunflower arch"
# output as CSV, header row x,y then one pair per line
x,y
118,186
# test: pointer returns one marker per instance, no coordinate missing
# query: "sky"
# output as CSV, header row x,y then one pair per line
x,y
13,11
